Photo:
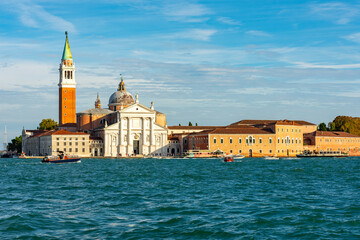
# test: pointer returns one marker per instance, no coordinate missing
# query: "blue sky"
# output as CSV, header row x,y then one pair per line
x,y
211,62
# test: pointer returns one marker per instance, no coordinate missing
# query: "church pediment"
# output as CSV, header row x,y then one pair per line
x,y
114,126
137,108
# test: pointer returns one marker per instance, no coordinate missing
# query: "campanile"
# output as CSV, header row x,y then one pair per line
x,y
67,87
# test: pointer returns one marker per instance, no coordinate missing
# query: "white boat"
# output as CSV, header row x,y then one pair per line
x,y
271,158
238,157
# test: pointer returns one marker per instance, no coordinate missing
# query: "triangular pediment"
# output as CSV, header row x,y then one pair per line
x,y
114,126
137,108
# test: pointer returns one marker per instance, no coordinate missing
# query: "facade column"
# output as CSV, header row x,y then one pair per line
x,y
143,135
120,136
129,145
152,140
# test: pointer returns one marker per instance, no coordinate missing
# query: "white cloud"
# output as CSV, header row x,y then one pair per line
x,y
258,33
228,21
186,12
261,90
334,66
35,16
353,37
195,34
338,12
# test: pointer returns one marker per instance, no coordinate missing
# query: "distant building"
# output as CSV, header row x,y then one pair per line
x,y
125,128
42,143
67,87
329,141
252,138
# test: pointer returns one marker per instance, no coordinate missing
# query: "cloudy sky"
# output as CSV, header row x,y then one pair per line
x,y
210,62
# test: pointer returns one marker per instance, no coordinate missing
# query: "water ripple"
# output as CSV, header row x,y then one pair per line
x,y
180,199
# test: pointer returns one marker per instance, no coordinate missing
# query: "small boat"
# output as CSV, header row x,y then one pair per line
x,y
238,157
271,158
308,154
61,158
229,159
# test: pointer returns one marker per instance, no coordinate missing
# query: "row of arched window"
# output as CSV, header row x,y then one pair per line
x,y
68,74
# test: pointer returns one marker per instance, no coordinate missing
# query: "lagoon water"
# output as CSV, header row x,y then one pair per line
x,y
180,199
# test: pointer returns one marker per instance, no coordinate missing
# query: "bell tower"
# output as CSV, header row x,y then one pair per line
x,y
67,87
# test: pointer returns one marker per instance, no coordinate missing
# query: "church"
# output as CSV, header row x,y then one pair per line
x,y
125,128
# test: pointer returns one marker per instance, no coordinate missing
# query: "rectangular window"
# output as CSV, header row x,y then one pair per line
x,y
260,140
253,140
83,144
64,143
230,140
57,144
239,151
221,140
70,143
57,139
278,140
57,149
260,151
214,140
76,143
270,140
83,138
70,149
247,141
83,149
270,151
76,150
239,140
64,149
230,151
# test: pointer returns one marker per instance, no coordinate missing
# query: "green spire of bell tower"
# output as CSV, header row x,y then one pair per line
x,y
67,53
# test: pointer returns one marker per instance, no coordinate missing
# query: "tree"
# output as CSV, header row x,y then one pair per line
x,y
48,124
190,124
332,126
179,124
15,144
196,124
322,127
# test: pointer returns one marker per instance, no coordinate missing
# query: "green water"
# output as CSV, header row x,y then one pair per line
x,y
180,199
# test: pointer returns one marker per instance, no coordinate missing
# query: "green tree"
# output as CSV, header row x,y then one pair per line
x,y
179,124
322,127
15,144
48,124
196,124
190,124
332,126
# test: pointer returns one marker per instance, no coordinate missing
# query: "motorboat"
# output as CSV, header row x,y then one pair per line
x,y
61,158
308,154
271,158
229,159
238,157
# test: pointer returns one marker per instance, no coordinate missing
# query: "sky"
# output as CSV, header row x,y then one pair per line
x,y
208,62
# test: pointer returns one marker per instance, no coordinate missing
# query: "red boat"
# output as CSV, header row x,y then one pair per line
x,y
229,159
61,158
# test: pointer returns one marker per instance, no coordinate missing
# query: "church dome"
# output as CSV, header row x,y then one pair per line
x,y
120,98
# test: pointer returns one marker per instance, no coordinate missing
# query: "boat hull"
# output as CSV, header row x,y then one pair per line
x,y
62,160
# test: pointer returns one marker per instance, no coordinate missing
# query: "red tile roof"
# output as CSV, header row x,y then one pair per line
x,y
331,134
192,127
267,122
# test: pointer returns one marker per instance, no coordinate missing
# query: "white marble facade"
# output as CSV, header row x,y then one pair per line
x,y
135,132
